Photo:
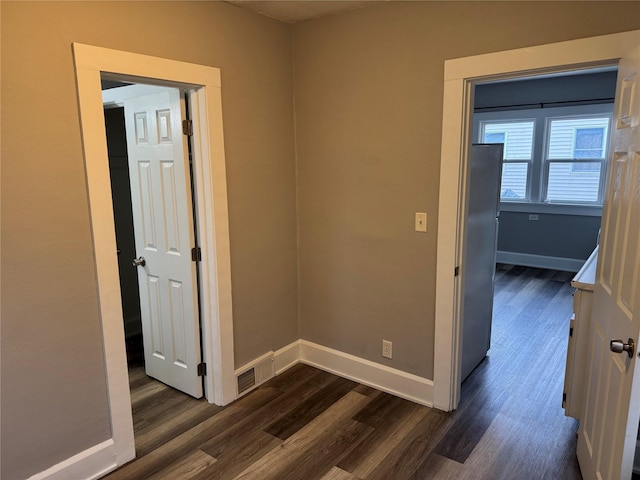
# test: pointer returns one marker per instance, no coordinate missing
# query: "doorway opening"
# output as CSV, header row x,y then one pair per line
x,y
125,236
155,227
156,178
535,198
524,370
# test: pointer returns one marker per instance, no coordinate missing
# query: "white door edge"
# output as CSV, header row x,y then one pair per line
x,y
213,224
458,77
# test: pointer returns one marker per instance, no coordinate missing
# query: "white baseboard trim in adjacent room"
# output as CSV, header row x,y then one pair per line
x,y
286,357
539,261
90,464
387,379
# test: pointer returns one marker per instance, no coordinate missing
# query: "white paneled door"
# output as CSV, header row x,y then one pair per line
x,y
164,235
609,425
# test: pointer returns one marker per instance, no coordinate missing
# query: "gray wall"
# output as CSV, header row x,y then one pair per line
x,y
368,101
564,236
553,235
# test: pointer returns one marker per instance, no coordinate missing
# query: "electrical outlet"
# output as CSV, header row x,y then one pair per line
x,y
534,216
387,349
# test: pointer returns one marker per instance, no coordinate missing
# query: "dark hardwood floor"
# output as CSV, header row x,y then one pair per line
x,y
308,424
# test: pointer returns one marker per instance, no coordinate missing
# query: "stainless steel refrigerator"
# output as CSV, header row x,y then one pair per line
x,y
479,257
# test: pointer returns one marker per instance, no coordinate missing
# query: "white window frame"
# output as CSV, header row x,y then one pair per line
x,y
539,167
602,161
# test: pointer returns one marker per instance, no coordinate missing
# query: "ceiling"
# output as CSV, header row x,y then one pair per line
x,y
292,11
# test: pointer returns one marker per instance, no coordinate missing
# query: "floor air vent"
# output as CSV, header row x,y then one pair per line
x,y
246,380
255,374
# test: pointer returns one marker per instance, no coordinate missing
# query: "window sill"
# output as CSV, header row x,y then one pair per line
x,y
552,209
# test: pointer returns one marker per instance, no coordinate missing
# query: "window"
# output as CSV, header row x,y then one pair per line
x,y
551,155
576,150
517,138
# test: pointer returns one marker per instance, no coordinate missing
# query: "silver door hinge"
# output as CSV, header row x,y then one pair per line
x,y
202,369
196,254
187,127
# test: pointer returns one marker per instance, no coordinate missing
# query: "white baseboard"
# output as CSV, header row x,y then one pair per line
x,y
376,375
286,357
539,261
90,464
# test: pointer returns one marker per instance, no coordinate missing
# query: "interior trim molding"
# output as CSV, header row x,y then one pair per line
x,y
539,261
286,357
89,464
203,85
391,380
396,382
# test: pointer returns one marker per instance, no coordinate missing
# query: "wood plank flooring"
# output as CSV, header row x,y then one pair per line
x,y
308,424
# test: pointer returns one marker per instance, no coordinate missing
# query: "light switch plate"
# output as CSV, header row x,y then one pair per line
x,y
421,222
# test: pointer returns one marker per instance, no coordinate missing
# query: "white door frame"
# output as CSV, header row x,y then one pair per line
x,y
210,198
459,76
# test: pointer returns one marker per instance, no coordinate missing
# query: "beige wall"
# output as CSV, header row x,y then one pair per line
x,y
369,90
53,380
368,104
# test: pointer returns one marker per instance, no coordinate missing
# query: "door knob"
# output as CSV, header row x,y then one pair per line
x,y
139,262
618,346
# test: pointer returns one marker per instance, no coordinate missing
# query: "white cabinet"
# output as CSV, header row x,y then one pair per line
x,y
574,381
